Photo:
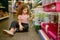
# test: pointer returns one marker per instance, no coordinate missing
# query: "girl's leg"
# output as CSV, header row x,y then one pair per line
x,y
12,28
26,27
10,32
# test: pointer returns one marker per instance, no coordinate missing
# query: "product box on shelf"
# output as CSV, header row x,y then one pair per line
x,y
51,5
50,30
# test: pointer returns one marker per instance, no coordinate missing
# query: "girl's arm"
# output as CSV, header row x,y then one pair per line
x,y
20,25
19,21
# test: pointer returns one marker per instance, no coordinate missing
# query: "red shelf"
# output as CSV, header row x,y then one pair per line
x,y
48,8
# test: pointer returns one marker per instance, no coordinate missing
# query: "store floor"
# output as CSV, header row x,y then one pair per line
x,y
31,35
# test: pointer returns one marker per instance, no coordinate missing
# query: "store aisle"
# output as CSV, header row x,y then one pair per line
x,y
31,35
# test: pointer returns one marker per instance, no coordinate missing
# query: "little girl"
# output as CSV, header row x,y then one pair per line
x,y
22,23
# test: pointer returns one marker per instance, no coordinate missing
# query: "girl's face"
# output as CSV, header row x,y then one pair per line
x,y
25,11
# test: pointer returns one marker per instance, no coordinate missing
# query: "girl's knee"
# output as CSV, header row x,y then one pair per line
x,y
14,22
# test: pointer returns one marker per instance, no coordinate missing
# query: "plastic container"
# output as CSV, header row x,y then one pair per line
x,y
37,25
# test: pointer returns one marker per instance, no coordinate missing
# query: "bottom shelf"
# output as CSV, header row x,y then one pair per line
x,y
4,17
42,35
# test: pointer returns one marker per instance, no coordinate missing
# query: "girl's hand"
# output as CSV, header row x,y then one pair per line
x,y
21,28
32,16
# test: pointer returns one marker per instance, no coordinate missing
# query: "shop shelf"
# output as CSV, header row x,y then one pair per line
x,y
51,30
4,17
51,5
42,35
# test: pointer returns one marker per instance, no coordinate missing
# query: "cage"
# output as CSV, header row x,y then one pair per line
x,y
51,5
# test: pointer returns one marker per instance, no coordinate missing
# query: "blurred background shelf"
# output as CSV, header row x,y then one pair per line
x,y
40,2
4,17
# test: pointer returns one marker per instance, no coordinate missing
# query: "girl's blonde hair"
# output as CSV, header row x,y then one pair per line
x,y
21,8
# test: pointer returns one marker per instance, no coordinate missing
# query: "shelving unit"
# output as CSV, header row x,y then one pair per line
x,y
4,10
4,17
42,35
52,32
51,5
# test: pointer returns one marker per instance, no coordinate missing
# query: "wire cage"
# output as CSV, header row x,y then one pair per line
x,y
51,5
